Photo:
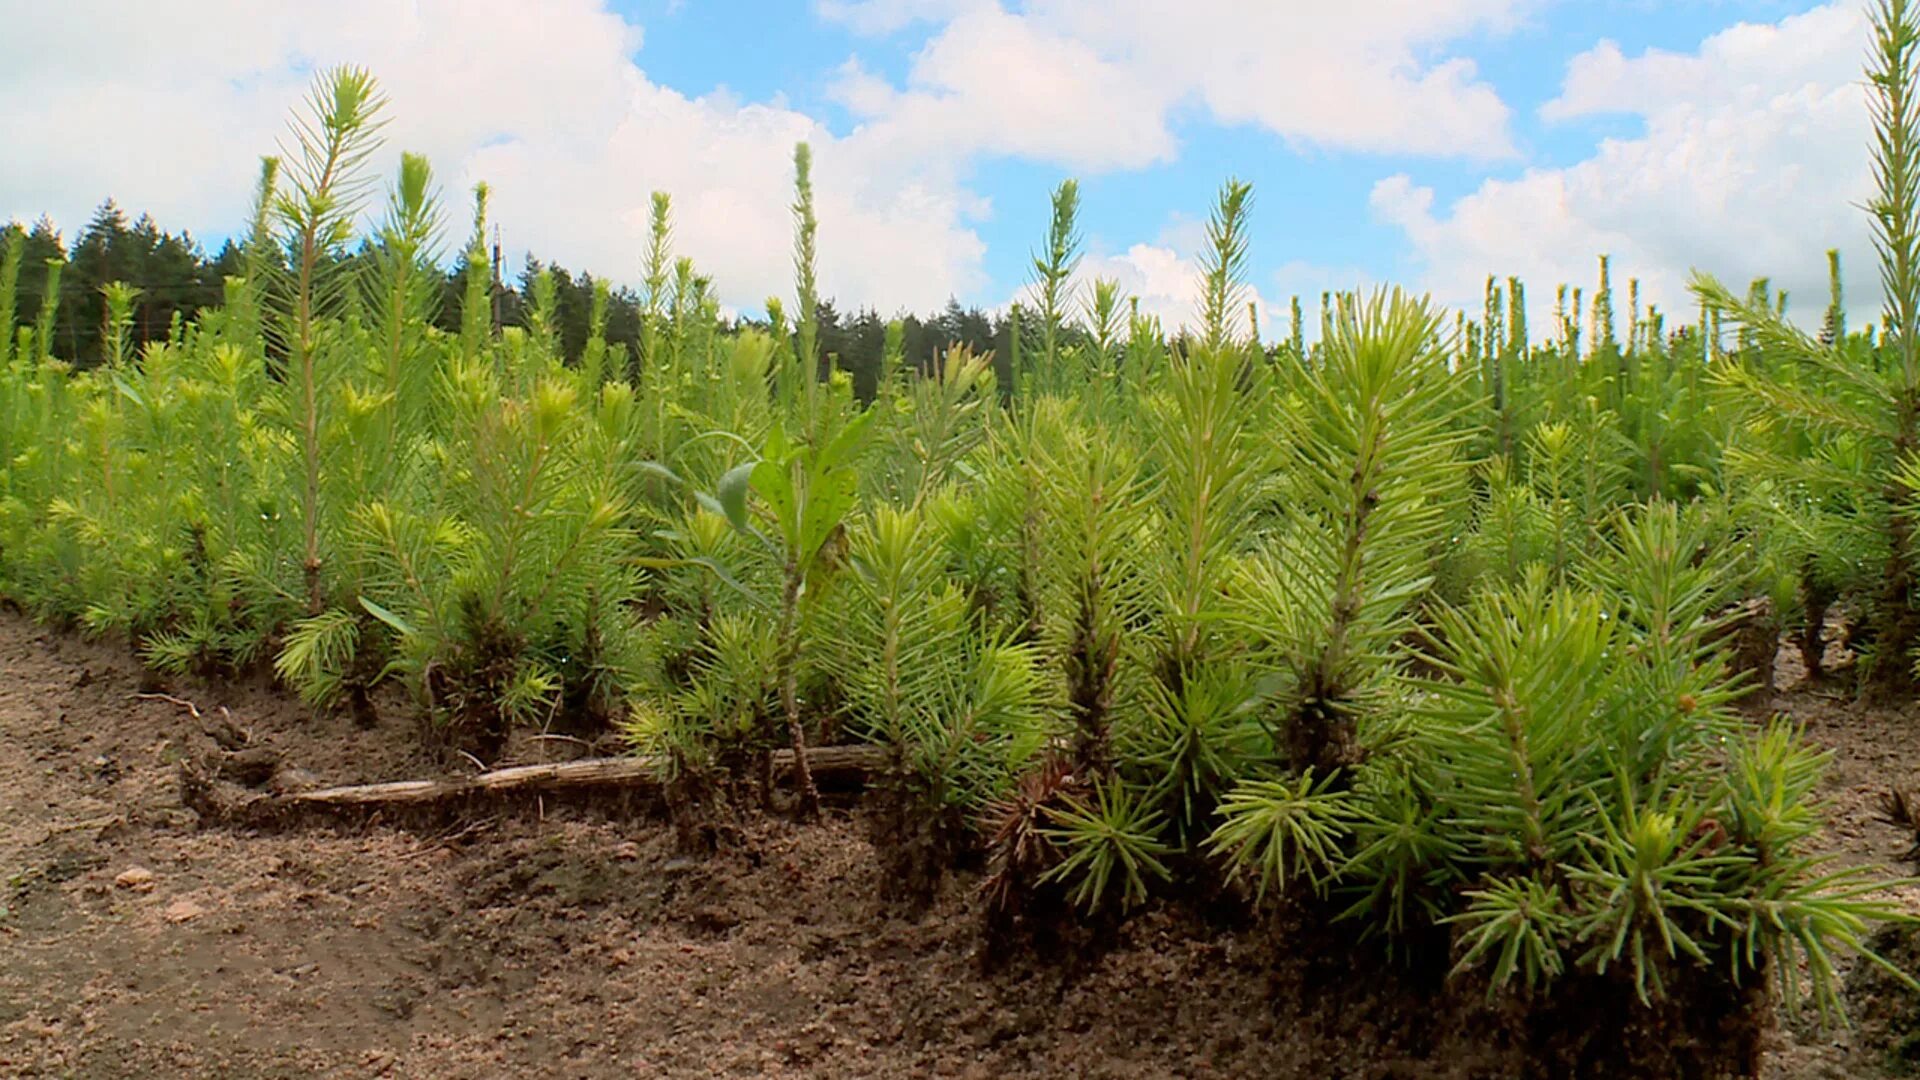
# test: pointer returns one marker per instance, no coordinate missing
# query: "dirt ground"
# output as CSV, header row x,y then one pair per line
x,y
574,943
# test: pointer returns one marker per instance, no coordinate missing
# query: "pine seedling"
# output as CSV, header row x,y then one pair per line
x,y
1016,343
1508,365
403,294
261,262
806,287
1206,429
1146,346
904,627
893,359
49,311
1285,830
15,401
1103,318
1053,286
1518,344
1603,339
115,344
371,417
1494,319
593,355
1223,265
491,589
715,705
1760,297
1634,341
1371,446
12,248
476,273
941,419
1840,397
656,272
806,493
1591,799
316,214
1834,329
1112,844
1372,456
1095,575
543,316
959,711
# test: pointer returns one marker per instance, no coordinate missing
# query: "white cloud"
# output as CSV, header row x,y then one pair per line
x,y
1093,82
544,101
1818,48
1752,162
887,16
999,83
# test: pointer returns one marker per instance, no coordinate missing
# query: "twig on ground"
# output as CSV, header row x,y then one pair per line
x,y
192,709
562,738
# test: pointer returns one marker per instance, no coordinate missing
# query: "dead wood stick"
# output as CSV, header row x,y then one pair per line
x,y
834,766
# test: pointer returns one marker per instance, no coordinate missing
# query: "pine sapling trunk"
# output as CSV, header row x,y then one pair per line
x,y
1029,561
309,422
1030,556
320,212
1896,220
1816,598
790,692
1503,417
1898,626
1090,673
1321,735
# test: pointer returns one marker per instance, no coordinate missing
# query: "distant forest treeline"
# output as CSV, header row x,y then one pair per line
x,y
176,278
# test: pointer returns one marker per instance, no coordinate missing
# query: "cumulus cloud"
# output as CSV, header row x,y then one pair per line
x,y
168,106
1751,161
1002,84
1356,76
1817,48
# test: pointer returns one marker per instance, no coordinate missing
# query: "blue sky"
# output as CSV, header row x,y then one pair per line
x,y
1424,142
790,52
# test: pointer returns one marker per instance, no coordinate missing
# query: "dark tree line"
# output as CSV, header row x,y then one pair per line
x,y
177,277
172,272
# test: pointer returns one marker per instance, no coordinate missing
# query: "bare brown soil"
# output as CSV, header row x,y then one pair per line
x,y
568,941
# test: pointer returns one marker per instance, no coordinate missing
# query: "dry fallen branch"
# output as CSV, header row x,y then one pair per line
x,y
839,767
